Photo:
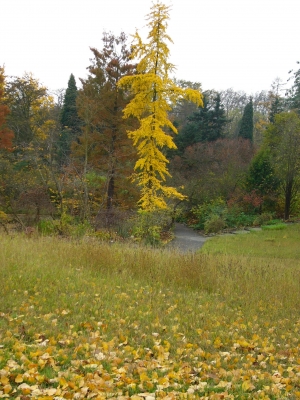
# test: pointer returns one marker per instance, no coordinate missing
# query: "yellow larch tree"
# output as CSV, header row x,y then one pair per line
x,y
154,94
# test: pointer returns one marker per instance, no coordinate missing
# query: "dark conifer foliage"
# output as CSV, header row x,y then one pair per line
x,y
100,105
69,120
261,176
294,93
247,126
205,125
277,106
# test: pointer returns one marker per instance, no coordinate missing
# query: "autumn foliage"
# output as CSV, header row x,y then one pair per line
x,y
6,135
154,93
87,320
104,143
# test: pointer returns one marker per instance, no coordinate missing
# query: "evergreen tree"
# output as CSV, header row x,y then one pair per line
x,y
261,176
69,120
205,125
218,119
276,108
247,126
104,142
294,93
278,103
193,131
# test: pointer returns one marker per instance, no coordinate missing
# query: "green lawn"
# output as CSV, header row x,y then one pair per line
x,y
280,244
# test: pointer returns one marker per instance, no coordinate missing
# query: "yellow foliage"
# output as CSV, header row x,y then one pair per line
x,y
3,216
154,95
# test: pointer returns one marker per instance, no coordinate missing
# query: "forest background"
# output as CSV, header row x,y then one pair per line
x,y
67,162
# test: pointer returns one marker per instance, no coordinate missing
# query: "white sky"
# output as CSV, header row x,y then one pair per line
x,y
239,44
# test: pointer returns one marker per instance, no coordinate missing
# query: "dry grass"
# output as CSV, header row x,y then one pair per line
x,y
92,320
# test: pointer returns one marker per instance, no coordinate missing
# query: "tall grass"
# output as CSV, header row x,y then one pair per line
x,y
135,305
60,271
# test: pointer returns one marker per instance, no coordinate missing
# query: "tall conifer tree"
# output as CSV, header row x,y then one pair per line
x,y
247,126
294,92
154,95
69,120
100,104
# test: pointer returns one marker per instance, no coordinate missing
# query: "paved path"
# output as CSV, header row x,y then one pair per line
x,y
186,239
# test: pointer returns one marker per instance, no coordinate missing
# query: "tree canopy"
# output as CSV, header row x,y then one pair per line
x,y
283,140
204,125
246,128
154,93
69,120
6,135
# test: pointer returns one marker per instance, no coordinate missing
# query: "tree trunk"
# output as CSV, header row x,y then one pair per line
x,y
288,199
110,190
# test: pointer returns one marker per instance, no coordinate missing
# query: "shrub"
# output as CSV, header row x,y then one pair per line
x,y
3,220
233,217
148,226
102,234
47,227
206,211
116,220
263,219
273,222
214,224
67,225
81,229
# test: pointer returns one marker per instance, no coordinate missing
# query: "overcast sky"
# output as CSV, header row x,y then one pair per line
x,y
239,44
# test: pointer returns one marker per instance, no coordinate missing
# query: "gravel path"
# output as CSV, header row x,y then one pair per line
x,y
186,239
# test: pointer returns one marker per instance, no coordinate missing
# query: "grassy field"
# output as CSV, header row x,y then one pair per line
x,y
89,320
276,241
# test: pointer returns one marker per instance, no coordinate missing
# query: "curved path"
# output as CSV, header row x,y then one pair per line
x,y
186,239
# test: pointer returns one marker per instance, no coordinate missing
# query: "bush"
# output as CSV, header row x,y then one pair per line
x,y
263,219
214,224
273,222
148,226
67,225
102,234
206,211
232,217
81,229
47,227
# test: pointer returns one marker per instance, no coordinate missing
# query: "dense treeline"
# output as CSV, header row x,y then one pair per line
x,y
68,154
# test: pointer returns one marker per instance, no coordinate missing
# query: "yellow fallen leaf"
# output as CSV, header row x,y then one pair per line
x,y
218,343
4,380
62,382
51,392
7,388
19,378
244,343
144,377
247,386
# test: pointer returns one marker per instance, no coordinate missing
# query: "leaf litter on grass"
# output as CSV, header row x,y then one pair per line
x,y
98,336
